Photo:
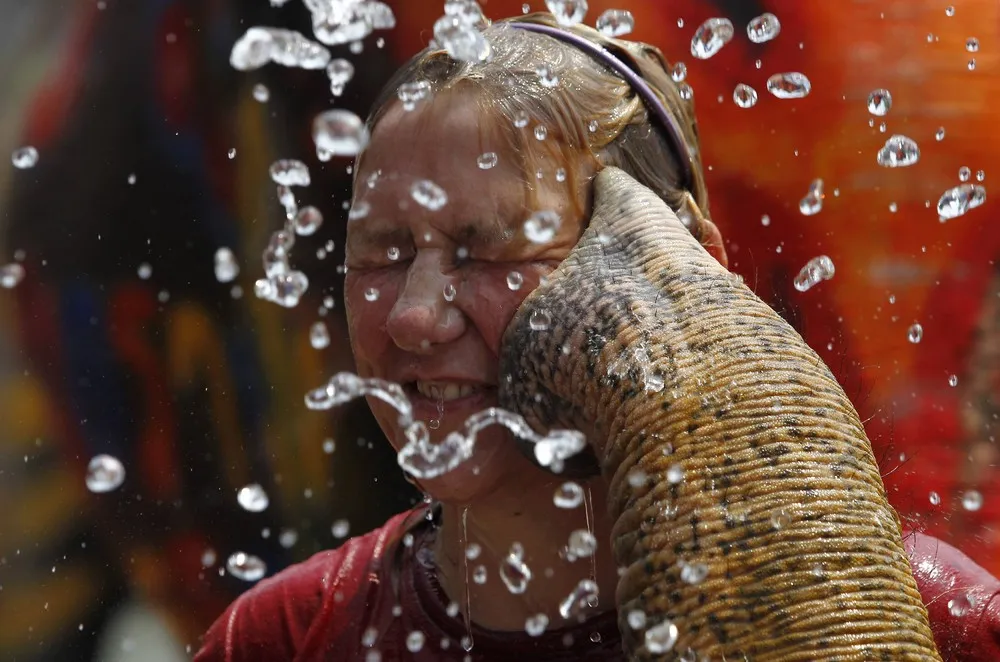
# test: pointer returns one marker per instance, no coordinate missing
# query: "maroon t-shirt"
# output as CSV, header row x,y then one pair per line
x,y
374,592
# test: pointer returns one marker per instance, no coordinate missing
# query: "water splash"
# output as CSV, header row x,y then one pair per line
x,y
424,459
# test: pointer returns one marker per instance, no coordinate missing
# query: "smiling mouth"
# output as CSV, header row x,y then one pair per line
x,y
447,391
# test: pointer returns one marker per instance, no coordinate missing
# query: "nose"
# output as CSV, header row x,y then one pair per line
x,y
421,318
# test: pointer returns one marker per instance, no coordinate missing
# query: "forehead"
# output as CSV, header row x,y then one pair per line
x,y
448,140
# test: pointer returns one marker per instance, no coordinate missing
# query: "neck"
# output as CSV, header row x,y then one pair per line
x,y
526,515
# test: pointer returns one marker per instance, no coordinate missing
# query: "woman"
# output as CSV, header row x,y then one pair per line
x,y
439,259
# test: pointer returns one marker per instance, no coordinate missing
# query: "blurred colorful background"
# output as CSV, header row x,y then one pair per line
x,y
120,340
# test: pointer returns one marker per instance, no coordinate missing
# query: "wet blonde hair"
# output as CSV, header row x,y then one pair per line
x,y
588,95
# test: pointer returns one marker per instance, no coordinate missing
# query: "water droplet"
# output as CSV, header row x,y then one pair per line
x,y
541,132
780,519
980,175
319,336
939,134
449,292
567,12
535,625
637,478
568,495
539,320
307,221
541,226
104,474
579,598
521,119
329,445
515,280
260,45
679,72
972,64
290,172
462,40
710,37
582,543
253,498
935,498
615,23
340,72
694,573
245,566
898,151
958,200
745,96
964,173
915,333
24,157
479,574
636,619
763,28
685,91
415,641
472,551
817,269
232,153
144,271
226,268
972,44
513,571
959,605
812,203
972,500
428,194
487,160
413,92
369,637
340,23
260,93
339,133
675,474
546,75
949,11
661,637
765,220
879,102
371,294
791,85
340,528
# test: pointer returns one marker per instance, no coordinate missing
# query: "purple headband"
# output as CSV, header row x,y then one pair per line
x,y
673,131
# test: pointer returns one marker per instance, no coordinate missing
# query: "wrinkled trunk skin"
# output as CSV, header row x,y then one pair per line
x,y
665,358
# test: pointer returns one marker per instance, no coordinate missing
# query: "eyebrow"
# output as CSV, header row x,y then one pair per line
x,y
471,234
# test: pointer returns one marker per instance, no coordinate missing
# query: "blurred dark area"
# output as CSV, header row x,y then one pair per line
x,y
195,385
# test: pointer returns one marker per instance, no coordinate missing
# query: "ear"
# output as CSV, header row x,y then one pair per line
x,y
704,230
711,239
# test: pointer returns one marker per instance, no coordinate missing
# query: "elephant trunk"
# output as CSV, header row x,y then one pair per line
x,y
750,516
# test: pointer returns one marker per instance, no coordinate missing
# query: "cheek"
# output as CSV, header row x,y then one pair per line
x,y
366,315
490,303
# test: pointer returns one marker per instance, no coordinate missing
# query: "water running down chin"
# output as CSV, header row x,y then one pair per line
x,y
730,447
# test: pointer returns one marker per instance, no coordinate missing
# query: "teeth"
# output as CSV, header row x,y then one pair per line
x,y
444,391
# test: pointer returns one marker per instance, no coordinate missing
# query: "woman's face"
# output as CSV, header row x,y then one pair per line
x,y
441,277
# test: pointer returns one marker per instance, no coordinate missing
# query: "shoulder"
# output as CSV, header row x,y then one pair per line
x,y
272,621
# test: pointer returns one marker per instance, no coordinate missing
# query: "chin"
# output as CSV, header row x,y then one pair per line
x,y
491,467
